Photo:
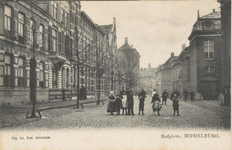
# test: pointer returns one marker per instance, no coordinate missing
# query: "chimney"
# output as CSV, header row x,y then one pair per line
x,y
126,40
198,14
132,46
183,46
172,54
214,11
149,65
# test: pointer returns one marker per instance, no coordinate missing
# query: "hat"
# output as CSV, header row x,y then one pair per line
x,y
111,92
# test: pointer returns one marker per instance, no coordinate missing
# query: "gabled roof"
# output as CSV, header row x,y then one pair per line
x,y
170,62
107,28
213,15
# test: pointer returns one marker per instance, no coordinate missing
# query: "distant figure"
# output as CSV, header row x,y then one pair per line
x,y
164,97
175,105
130,100
191,95
185,95
111,107
118,104
83,93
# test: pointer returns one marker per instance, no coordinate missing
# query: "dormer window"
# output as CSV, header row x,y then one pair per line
x,y
208,24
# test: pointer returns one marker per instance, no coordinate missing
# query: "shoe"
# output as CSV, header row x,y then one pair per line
x,y
142,114
138,113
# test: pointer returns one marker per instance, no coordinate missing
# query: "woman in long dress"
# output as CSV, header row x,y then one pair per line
x,y
111,107
124,103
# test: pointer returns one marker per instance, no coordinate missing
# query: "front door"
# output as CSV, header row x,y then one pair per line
x,y
210,90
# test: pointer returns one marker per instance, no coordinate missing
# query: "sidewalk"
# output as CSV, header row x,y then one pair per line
x,y
16,114
222,111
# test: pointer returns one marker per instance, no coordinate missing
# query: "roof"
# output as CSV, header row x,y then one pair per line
x,y
106,28
127,47
213,15
170,62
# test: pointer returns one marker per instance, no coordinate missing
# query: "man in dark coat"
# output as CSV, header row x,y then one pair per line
x,y
142,94
164,97
185,95
130,99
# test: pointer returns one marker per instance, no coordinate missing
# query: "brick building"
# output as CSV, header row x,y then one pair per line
x,y
56,33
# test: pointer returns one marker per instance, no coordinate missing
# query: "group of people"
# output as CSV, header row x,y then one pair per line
x,y
188,94
125,101
157,102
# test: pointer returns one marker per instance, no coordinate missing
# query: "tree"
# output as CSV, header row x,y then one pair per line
x,y
129,70
35,42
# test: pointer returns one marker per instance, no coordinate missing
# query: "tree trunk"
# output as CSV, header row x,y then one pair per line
x,y
33,82
99,89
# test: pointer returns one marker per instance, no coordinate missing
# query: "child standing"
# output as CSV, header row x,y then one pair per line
x,y
124,103
141,104
118,104
175,105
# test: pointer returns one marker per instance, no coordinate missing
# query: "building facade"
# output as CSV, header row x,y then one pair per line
x,y
148,78
65,43
130,66
205,56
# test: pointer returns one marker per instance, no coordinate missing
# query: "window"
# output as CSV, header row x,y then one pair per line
x,y
55,78
62,16
41,74
209,49
54,40
209,69
7,12
54,10
21,72
8,67
31,32
21,24
67,78
40,36
66,19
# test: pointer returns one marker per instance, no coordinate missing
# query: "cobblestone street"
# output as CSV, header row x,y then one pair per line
x,y
95,116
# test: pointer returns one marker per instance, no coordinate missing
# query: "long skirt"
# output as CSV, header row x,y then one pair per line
x,y
156,106
111,107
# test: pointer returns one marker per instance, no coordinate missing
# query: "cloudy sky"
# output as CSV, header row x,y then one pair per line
x,y
154,28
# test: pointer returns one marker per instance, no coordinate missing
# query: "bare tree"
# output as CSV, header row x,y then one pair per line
x,y
128,70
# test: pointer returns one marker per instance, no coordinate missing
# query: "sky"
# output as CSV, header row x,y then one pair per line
x,y
154,28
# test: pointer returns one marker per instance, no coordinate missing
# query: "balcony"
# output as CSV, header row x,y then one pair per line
x,y
57,57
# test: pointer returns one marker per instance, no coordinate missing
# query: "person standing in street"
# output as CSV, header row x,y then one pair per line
x,y
156,102
185,95
141,95
122,92
175,105
111,107
130,99
124,103
191,95
164,97
118,104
